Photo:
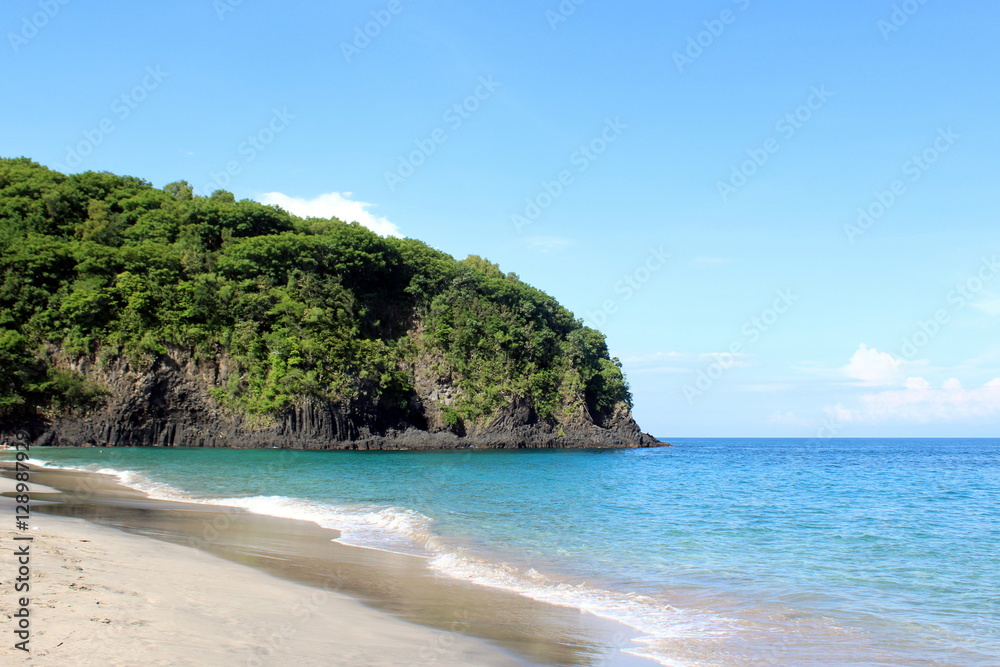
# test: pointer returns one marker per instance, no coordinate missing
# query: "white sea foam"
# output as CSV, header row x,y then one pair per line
x,y
140,482
373,527
408,532
405,531
656,619
130,479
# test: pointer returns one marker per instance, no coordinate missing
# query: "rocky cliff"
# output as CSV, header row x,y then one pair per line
x,y
166,401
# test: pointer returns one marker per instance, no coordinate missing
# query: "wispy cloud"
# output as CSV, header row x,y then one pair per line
x,y
918,402
988,303
333,205
547,244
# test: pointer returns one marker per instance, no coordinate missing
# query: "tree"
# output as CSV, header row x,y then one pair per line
x,y
179,190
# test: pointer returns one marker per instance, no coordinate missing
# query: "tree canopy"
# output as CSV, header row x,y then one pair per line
x,y
96,264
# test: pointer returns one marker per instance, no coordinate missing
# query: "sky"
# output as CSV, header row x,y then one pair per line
x,y
783,215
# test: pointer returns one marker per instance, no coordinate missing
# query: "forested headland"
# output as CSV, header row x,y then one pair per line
x,y
134,315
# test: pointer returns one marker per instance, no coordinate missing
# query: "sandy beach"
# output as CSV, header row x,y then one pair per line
x,y
100,596
163,583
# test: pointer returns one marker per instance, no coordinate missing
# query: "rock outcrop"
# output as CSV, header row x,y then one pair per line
x,y
167,402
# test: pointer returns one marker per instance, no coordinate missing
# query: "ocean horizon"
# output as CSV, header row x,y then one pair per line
x,y
719,551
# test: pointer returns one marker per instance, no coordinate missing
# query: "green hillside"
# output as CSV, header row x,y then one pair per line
x,y
95,265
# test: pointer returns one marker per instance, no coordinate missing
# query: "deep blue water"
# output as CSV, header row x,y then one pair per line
x,y
723,551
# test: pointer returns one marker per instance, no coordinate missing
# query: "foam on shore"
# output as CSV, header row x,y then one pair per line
x,y
404,531
101,596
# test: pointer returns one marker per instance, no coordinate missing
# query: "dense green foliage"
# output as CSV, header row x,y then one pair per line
x,y
96,264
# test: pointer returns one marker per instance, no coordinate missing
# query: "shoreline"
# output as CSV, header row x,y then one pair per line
x,y
464,623
393,440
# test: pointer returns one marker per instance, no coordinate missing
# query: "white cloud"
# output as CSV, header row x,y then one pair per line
x,y
920,403
873,368
333,205
547,244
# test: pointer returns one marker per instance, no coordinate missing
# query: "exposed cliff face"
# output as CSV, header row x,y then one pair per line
x,y
167,402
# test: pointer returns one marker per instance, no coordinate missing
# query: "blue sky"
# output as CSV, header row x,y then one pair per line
x,y
783,215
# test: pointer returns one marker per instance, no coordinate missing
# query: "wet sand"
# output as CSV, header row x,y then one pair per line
x,y
227,580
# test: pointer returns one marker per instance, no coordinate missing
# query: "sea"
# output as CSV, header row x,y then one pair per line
x,y
734,551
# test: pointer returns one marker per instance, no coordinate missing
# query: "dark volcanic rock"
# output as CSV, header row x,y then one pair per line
x,y
167,402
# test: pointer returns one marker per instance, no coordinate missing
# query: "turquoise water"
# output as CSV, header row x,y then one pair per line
x,y
722,551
